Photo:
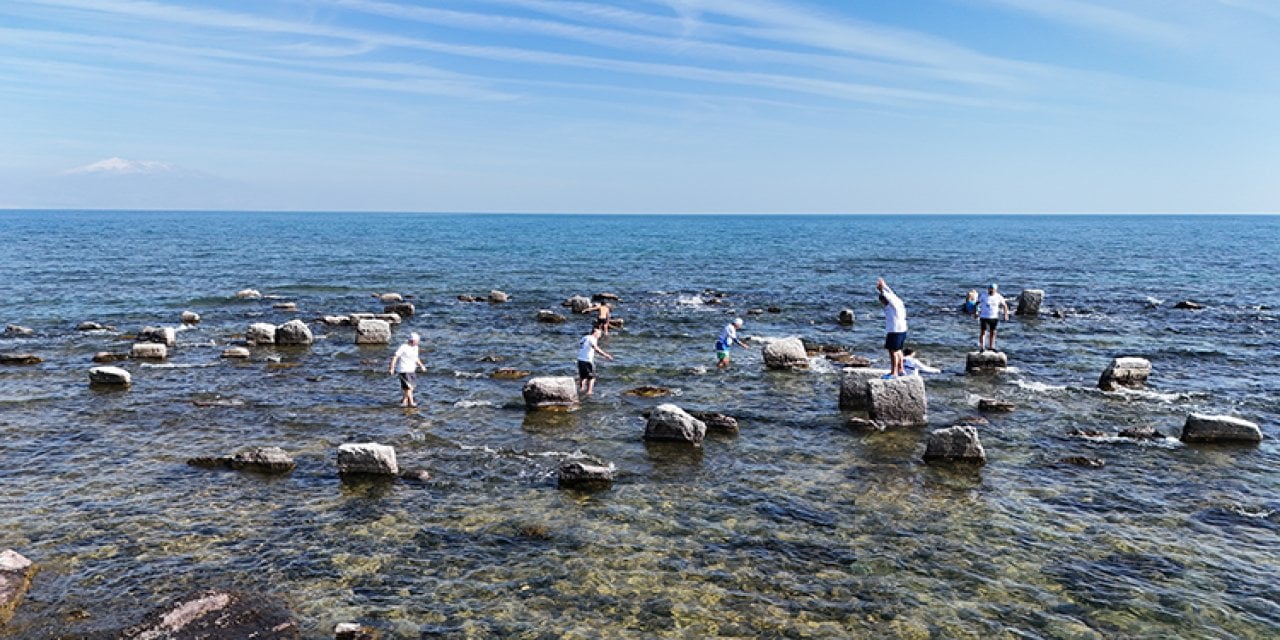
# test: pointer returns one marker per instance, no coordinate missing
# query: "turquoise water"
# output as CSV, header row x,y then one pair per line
x,y
796,527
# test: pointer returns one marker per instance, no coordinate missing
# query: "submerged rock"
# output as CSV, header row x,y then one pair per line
x,y
606,297
854,388
218,614
1206,428
16,573
387,298
1029,302
1189,304
248,294
845,317
577,304
293,333
336,321
985,362
285,306
270,460
1083,461
235,352
354,631
190,317
669,422
107,356
368,459
498,297
1125,372
110,376
787,353
467,298
402,309
648,391
148,351
898,402
1141,433
162,335
20,358
17,330
261,333
575,474
550,317
88,325
717,422
994,405
550,392
955,444
507,373
373,332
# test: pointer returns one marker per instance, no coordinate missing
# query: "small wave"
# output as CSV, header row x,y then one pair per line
x,y
171,365
1164,443
471,404
516,453
1035,386
824,366
1148,394
1153,301
206,343
468,374
1254,514
184,327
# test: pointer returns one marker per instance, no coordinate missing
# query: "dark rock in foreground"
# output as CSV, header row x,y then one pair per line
x,y
718,422
218,615
16,573
1125,372
669,422
575,474
20,358
955,444
270,460
1205,428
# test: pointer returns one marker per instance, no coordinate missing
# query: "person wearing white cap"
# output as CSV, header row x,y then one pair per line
x,y
990,306
405,363
728,338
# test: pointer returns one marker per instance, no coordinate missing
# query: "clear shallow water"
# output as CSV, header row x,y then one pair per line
x,y
797,527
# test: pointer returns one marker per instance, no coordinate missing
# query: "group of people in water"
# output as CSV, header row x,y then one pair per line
x,y
988,307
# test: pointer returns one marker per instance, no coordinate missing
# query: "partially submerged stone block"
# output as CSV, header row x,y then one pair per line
x,y
670,422
148,351
787,353
261,333
110,377
163,335
368,459
235,352
854,388
1029,302
575,474
269,460
293,333
20,358
1206,428
402,309
985,362
550,392
373,332
898,402
16,573
955,444
1125,372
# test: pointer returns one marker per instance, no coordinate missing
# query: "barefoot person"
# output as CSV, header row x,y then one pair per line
x,y
990,305
404,364
914,367
588,347
603,310
728,338
895,327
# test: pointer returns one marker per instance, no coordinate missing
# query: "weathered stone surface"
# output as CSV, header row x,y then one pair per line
x,y
162,335
110,376
235,352
261,333
218,614
605,297
845,317
16,573
336,321
389,318
248,294
89,325
1083,461
648,391
271,460
955,444
293,333
402,309
717,422
575,474
20,358
550,317
1145,432
1206,428
498,297
373,332
994,405
354,631
549,392
985,362
190,317
849,359
17,330
669,422
415,475
149,351
507,373
107,356
367,458
854,389
1029,302
1125,372
1189,304
787,353
898,402
388,298
577,304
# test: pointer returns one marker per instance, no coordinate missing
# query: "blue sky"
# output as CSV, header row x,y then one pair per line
x,y
642,105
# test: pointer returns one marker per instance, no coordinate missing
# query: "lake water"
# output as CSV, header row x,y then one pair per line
x,y
797,527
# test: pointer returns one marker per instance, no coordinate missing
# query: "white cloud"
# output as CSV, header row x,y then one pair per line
x,y
1102,18
121,166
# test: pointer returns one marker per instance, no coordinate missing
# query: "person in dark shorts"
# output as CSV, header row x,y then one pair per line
x,y
588,347
405,363
895,327
990,306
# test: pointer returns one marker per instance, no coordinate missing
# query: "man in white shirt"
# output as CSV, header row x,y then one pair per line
x,y
990,305
405,363
588,347
895,327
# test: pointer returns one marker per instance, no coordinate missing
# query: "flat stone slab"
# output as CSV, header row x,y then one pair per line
x,y
110,376
955,444
985,361
235,353
1207,428
579,475
218,614
898,402
16,573
269,460
1125,372
148,351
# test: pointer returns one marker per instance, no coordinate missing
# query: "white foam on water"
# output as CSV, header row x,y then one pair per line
x,y
1154,301
468,374
1256,514
1163,443
1035,386
822,365
170,365
691,301
1148,394
207,343
471,404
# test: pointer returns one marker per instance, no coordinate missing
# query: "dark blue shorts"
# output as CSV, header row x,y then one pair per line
x,y
988,324
895,341
408,381
586,370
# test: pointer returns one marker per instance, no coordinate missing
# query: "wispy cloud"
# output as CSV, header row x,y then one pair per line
x,y
121,166
1104,18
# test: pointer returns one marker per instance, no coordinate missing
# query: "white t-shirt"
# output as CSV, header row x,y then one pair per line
x,y
728,335
586,349
913,367
989,305
895,314
407,358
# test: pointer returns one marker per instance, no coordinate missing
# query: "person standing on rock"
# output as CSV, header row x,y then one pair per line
x,y
588,347
405,363
990,305
895,327
728,338
602,310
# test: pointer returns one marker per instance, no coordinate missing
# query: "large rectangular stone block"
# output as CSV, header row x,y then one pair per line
x,y
898,402
853,387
